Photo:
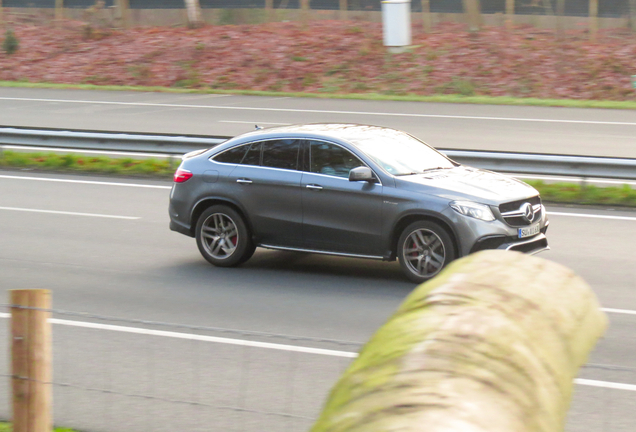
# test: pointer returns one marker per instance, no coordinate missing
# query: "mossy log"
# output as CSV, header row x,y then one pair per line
x,y
491,344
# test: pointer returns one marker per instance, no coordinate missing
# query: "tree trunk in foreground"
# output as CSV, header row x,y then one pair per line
x,y
492,344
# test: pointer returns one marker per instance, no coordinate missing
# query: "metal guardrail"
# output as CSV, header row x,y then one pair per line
x,y
105,141
533,163
518,163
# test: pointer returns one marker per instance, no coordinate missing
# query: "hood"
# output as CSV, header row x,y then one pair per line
x,y
468,183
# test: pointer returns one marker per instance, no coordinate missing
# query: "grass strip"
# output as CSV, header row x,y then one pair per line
x,y
442,98
570,193
88,164
6,427
576,193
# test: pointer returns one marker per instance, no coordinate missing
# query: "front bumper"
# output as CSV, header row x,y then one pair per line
x,y
531,245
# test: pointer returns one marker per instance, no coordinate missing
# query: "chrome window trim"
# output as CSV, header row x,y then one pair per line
x,y
211,158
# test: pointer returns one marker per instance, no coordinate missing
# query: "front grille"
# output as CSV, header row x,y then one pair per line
x,y
516,220
514,205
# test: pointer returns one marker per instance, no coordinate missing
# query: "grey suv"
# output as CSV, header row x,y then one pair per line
x,y
350,190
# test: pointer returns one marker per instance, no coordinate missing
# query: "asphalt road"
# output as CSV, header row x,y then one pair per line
x,y
108,251
593,132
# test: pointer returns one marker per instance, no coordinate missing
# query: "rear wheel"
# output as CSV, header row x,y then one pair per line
x,y
223,237
424,248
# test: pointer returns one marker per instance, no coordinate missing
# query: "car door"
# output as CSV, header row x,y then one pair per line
x,y
339,215
267,184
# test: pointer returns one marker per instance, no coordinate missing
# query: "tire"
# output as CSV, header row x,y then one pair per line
x,y
424,249
223,237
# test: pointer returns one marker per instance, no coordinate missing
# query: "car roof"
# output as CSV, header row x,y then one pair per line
x,y
341,131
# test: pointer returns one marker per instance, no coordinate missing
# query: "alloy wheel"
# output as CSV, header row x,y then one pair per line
x,y
219,236
424,253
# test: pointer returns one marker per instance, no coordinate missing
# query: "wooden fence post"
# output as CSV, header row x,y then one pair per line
x,y
427,24
510,14
304,10
269,10
560,11
31,360
473,14
344,8
59,10
593,19
124,7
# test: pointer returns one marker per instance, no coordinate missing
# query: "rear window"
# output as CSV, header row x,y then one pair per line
x,y
233,156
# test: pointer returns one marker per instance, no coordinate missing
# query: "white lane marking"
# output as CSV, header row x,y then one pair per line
x,y
593,216
267,345
189,336
80,151
254,123
605,384
69,213
87,182
315,111
619,311
571,179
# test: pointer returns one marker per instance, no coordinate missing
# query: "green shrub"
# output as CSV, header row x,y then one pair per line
x,y
10,43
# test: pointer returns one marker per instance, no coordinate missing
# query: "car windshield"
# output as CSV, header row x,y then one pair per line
x,y
399,153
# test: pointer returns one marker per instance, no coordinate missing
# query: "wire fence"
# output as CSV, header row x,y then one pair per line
x,y
131,375
112,374
606,8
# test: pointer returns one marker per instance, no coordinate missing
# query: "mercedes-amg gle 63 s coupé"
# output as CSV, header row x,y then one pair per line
x,y
350,190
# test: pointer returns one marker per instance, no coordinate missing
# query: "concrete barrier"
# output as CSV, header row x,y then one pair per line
x,y
491,344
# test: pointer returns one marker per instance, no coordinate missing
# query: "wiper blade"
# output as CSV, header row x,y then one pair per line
x,y
409,173
435,168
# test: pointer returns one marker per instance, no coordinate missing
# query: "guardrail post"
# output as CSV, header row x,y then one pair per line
x,y
31,360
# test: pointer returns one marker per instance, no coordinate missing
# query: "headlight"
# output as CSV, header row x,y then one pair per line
x,y
478,211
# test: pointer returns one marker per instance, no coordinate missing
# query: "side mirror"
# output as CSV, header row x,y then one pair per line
x,y
362,173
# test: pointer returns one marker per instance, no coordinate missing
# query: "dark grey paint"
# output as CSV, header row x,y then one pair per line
x,y
334,214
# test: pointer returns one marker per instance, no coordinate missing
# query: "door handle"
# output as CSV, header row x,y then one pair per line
x,y
314,187
244,181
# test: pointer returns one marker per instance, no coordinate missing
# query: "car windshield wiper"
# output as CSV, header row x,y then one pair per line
x,y
435,168
408,173
423,171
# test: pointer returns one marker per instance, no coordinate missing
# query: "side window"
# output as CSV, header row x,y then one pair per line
x,y
234,155
331,159
281,154
253,156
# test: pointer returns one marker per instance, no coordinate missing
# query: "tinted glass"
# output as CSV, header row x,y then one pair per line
x,y
281,154
233,155
253,156
332,160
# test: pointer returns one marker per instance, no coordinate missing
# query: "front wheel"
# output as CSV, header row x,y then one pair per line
x,y
424,248
223,238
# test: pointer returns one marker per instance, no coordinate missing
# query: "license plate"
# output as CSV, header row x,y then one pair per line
x,y
529,231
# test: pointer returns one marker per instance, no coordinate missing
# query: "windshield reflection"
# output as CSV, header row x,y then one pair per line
x,y
399,153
